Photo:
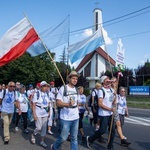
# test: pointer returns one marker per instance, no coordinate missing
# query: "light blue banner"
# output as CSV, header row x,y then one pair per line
x,y
139,90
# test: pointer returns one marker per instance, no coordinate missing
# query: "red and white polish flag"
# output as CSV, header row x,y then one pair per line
x,y
16,41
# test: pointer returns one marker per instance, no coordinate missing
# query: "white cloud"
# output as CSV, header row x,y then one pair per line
x,y
107,39
147,55
87,32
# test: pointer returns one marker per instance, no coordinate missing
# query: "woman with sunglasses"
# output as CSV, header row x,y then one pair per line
x,y
117,117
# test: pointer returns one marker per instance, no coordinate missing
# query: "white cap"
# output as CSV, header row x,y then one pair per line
x,y
44,83
103,78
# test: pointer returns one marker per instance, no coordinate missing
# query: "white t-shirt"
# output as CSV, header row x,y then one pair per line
x,y
107,101
42,100
122,104
82,100
30,92
23,100
68,113
8,101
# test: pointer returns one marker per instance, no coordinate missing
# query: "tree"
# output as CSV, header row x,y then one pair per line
x,y
27,69
143,73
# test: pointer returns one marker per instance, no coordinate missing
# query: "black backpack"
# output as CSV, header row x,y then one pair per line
x,y
95,99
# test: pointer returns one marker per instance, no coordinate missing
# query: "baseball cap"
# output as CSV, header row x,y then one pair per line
x,y
38,84
52,82
30,85
103,78
44,83
22,86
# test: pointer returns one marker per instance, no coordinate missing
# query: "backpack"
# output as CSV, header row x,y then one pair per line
x,y
95,99
65,91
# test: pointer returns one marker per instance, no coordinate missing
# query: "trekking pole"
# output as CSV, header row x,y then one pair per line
x,y
112,118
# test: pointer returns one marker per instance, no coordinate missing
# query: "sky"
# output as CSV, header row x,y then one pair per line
x,y
134,30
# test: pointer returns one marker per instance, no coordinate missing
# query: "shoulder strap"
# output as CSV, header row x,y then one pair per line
x,y
38,94
47,94
103,92
4,93
65,90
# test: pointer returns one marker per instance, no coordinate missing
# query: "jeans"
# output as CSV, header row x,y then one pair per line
x,y
67,127
105,122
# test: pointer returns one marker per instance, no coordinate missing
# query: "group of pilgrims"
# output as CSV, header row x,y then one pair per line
x,y
65,107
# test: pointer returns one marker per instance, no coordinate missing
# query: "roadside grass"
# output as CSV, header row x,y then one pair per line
x,y
138,99
138,105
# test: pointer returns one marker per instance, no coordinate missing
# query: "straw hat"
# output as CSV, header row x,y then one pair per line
x,y
73,73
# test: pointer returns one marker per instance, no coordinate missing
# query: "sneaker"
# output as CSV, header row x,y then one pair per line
x,y
125,142
16,129
26,131
6,141
43,145
33,139
50,132
88,143
124,137
52,147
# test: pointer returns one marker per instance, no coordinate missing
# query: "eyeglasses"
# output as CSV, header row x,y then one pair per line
x,y
122,91
12,86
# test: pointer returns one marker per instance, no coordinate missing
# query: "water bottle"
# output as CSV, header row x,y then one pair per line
x,y
86,119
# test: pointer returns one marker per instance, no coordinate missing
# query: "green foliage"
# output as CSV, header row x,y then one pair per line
x,y
27,69
147,83
87,91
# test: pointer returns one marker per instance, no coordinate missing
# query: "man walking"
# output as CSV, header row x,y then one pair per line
x,y
67,98
105,101
9,97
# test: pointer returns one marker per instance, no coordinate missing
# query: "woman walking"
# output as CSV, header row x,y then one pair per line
x,y
22,108
82,107
40,112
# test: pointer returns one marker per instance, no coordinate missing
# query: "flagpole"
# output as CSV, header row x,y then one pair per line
x,y
106,51
112,118
47,52
68,46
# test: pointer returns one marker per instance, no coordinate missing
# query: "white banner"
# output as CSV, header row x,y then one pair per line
x,y
120,54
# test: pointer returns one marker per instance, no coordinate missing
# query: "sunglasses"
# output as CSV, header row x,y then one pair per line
x,y
12,86
122,91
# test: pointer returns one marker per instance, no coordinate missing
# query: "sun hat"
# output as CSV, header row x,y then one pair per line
x,y
73,73
44,83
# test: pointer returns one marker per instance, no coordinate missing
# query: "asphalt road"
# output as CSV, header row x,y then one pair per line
x,y
136,128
